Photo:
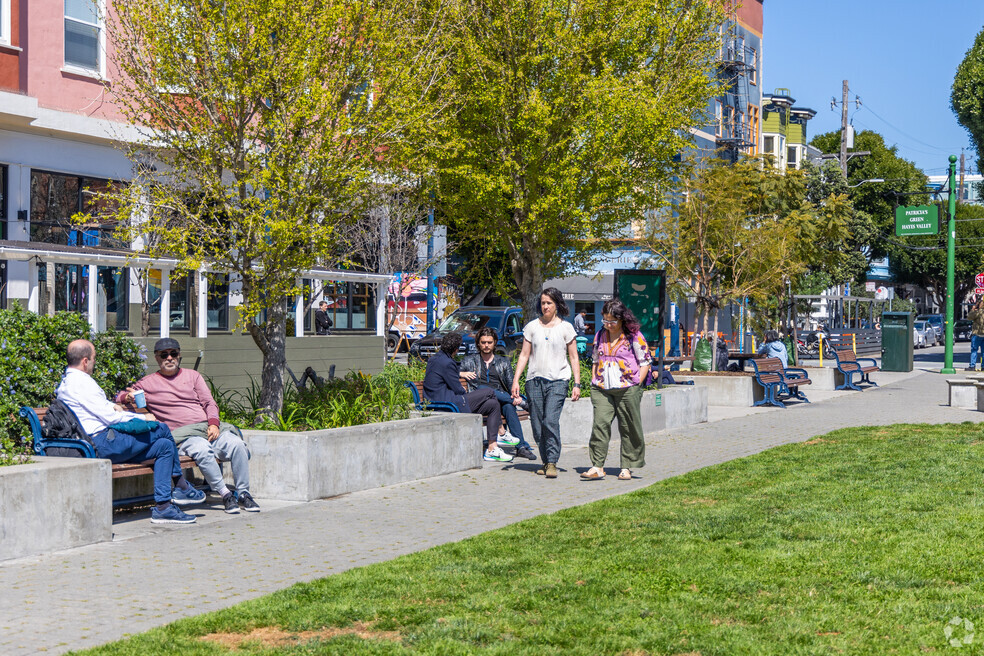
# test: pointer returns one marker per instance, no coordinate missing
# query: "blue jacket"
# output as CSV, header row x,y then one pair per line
x,y
441,382
774,350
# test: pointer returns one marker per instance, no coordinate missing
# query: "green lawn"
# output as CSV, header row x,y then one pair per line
x,y
867,541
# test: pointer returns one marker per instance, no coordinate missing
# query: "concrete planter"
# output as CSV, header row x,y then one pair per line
x,y
734,391
824,378
54,503
962,393
677,406
326,463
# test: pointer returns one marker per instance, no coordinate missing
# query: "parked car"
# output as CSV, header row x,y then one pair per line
x,y
507,322
936,321
923,334
961,330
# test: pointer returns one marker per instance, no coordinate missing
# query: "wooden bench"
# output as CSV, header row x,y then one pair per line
x,y
35,416
421,404
779,381
849,364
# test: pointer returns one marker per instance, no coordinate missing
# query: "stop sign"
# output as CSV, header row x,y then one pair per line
x,y
979,280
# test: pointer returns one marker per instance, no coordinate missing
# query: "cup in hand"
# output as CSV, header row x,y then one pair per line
x,y
139,399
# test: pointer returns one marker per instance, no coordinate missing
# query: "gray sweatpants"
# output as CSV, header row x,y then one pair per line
x,y
229,446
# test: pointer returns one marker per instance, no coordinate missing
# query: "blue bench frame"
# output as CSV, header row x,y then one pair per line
x,y
420,404
851,367
784,382
41,445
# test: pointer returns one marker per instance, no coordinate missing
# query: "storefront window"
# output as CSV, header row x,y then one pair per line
x,y
112,303
218,301
56,198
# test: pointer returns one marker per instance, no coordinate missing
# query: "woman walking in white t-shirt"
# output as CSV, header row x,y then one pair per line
x,y
550,350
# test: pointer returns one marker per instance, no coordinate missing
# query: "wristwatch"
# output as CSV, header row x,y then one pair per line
x,y
577,385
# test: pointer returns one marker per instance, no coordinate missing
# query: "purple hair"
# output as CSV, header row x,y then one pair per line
x,y
616,308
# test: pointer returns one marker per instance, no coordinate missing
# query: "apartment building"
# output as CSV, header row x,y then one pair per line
x,y
784,131
60,136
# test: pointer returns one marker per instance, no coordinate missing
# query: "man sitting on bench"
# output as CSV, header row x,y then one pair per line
x,y
495,372
182,400
126,443
442,384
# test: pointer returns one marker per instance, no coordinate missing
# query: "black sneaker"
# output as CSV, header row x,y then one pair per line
x,y
524,452
246,501
230,504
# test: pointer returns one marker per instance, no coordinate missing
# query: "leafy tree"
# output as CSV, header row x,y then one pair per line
x,y
967,95
735,234
876,200
264,123
570,116
927,268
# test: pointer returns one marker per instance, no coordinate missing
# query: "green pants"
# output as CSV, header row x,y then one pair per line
x,y
625,404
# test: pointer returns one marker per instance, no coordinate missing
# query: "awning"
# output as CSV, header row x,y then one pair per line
x,y
585,288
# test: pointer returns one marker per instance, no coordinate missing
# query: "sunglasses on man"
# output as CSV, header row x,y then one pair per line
x,y
164,355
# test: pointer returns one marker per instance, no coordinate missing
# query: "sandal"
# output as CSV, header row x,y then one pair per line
x,y
593,474
625,475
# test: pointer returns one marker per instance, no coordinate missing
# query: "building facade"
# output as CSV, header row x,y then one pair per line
x,y
784,131
972,191
736,113
59,133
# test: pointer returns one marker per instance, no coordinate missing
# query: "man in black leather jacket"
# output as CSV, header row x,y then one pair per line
x,y
495,372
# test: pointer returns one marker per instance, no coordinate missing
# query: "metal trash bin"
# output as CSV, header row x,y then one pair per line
x,y
896,340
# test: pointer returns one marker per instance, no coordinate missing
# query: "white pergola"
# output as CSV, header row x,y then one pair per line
x,y
36,254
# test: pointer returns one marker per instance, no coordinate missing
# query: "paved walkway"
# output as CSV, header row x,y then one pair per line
x,y
151,575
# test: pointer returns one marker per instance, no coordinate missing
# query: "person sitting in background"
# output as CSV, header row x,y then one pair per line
x,y
115,434
182,400
773,347
495,372
442,384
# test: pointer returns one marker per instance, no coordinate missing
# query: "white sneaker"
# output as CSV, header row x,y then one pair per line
x,y
497,455
508,439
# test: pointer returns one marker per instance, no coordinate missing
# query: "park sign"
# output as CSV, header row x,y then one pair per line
x,y
917,220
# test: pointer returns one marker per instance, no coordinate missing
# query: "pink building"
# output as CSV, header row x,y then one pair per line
x,y
58,126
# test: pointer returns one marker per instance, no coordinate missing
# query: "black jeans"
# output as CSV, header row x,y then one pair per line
x,y
483,402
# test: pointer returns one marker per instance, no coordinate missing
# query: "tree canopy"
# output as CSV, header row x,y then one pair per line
x,y
569,117
265,122
967,95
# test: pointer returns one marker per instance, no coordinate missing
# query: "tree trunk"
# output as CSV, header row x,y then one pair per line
x,y
529,282
714,343
271,338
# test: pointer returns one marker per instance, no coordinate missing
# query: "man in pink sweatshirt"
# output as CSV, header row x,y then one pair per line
x,y
181,399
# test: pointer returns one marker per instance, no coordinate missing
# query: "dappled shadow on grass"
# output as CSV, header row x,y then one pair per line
x,y
866,540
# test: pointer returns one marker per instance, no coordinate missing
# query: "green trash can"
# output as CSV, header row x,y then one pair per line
x,y
896,341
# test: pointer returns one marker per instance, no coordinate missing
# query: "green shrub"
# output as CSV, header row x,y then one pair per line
x,y
32,361
353,400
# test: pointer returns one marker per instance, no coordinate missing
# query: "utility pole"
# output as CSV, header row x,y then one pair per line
x,y
843,151
962,165
951,234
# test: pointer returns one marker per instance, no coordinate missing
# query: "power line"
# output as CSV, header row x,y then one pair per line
x,y
901,131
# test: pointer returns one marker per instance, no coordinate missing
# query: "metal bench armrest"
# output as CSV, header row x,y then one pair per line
x,y
796,371
83,447
871,360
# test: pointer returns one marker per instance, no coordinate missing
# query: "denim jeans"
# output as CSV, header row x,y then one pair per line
x,y
157,444
976,345
512,418
546,402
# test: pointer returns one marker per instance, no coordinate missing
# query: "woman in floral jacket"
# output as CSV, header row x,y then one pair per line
x,y
621,363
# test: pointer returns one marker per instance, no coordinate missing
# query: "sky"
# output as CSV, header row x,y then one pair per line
x,y
898,56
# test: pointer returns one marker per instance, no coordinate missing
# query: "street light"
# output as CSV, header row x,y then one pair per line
x,y
863,181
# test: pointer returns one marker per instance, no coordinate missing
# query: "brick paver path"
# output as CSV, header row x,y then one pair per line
x,y
91,595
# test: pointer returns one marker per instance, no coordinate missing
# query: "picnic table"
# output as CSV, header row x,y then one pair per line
x,y
742,358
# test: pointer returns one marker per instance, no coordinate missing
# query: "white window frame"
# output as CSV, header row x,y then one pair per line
x,y
100,24
5,28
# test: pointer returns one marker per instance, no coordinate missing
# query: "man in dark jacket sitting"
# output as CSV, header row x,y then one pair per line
x,y
495,372
442,384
